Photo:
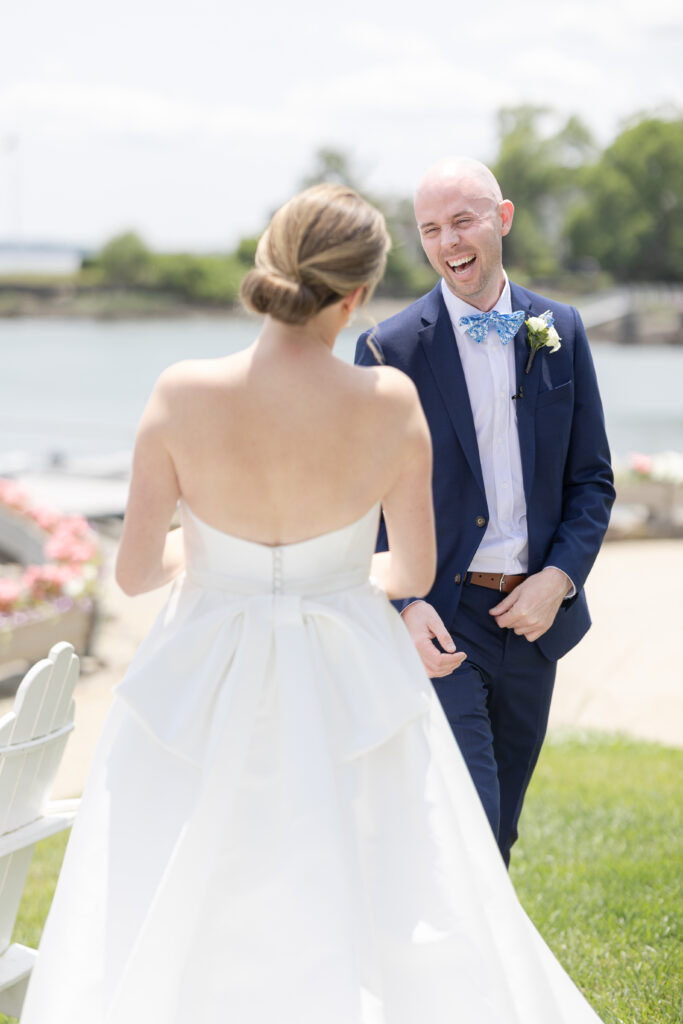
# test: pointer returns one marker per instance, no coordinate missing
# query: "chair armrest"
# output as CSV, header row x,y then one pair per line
x,y
59,815
16,963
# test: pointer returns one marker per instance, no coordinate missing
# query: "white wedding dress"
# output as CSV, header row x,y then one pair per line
x,y
278,827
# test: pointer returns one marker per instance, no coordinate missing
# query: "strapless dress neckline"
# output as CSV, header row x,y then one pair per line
x,y
370,513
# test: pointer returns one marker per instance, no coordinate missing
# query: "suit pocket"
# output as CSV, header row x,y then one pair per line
x,y
563,391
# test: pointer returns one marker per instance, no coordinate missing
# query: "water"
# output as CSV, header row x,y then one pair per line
x,y
78,387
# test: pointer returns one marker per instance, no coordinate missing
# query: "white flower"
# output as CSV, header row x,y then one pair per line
x,y
542,334
74,588
553,342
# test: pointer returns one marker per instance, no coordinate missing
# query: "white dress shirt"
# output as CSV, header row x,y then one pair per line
x,y
489,368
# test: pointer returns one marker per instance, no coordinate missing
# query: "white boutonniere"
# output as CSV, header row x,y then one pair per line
x,y
542,334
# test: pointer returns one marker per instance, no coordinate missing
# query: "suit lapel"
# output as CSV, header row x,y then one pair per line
x,y
528,382
442,353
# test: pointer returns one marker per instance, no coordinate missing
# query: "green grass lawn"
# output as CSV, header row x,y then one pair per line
x,y
598,869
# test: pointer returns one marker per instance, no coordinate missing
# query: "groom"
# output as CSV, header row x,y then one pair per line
x,y
522,482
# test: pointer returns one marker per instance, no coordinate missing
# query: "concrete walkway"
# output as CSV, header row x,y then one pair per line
x,y
625,676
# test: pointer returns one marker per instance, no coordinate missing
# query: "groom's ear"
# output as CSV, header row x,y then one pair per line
x,y
506,211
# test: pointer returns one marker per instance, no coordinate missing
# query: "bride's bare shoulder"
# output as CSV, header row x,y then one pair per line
x,y
388,384
390,404
198,373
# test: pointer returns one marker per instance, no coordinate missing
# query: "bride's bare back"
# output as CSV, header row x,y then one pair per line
x,y
279,446
283,441
276,444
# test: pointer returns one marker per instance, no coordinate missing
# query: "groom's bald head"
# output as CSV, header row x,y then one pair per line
x,y
463,171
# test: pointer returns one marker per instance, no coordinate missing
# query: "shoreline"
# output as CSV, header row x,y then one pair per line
x,y
123,306
627,314
131,307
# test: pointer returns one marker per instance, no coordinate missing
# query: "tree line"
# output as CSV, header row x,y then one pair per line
x,y
584,216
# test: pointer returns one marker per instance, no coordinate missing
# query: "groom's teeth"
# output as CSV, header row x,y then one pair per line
x,y
459,263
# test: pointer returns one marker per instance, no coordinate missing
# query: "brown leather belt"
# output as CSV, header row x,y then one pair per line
x,y
495,580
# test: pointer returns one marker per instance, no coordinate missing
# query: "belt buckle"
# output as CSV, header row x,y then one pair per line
x,y
502,581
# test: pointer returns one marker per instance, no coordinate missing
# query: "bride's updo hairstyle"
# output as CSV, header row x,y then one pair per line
x,y
319,247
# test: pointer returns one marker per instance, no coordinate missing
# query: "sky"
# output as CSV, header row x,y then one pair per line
x,y
192,123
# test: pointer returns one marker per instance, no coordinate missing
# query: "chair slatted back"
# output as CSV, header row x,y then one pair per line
x,y
32,740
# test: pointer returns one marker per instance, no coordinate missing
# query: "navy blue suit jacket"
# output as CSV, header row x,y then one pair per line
x,y
568,481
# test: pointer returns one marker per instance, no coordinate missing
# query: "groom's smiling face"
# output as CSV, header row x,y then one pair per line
x,y
461,228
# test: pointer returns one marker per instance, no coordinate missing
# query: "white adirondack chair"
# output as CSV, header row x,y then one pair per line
x,y
32,740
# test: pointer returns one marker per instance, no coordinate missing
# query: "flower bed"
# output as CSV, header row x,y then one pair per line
x,y
662,468
649,496
53,599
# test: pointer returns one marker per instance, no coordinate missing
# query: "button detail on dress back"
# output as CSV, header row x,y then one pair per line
x,y
277,571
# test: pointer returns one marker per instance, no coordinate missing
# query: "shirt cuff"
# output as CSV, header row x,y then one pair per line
x,y
411,603
572,592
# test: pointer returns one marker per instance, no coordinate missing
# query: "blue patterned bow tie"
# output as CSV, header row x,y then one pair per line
x,y
507,324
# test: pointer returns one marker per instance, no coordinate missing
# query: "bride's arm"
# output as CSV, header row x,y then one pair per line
x,y
148,554
408,568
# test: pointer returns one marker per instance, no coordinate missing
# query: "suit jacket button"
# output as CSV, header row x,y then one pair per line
x,y
480,521
457,577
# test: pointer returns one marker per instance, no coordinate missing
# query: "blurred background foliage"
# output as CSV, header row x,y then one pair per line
x,y
585,217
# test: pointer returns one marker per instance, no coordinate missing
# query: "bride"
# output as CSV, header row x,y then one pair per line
x,y
278,825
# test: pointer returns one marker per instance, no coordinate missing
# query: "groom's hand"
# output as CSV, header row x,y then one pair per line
x,y
425,625
532,606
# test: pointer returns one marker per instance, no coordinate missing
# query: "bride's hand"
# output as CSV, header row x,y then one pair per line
x,y
424,625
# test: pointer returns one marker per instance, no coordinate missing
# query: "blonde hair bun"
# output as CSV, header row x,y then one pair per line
x,y
319,247
264,291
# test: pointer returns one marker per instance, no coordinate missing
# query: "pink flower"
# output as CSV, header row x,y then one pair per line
x,y
86,551
65,548
641,464
75,526
72,540
46,518
71,549
58,548
45,581
11,592
13,495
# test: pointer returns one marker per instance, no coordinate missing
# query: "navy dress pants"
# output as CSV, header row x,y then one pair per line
x,y
497,703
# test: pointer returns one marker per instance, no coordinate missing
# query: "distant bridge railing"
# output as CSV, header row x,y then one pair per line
x,y
629,301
